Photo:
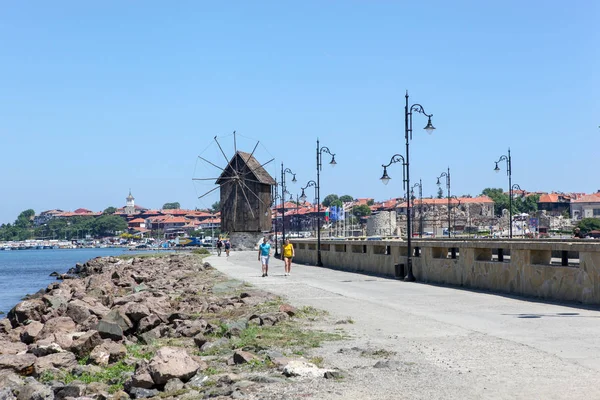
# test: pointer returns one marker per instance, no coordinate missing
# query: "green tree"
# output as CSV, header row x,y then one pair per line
x,y
171,206
588,224
329,198
336,203
108,225
216,207
25,219
361,211
370,202
346,198
500,199
527,204
440,193
110,210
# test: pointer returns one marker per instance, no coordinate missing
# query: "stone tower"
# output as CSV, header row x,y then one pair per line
x,y
130,207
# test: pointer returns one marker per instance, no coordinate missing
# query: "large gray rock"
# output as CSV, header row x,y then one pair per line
x,y
19,363
109,330
118,317
78,311
31,332
274,318
10,380
28,310
141,393
7,394
169,363
173,385
42,350
35,391
243,357
57,325
148,322
58,361
107,352
136,311
191,328
9,347
83,345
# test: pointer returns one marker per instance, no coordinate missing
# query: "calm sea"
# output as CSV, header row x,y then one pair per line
x,y
26,271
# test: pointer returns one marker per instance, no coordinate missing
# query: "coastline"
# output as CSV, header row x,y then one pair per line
x,y
166,324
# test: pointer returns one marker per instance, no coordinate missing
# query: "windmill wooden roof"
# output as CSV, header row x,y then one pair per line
x,y
260,174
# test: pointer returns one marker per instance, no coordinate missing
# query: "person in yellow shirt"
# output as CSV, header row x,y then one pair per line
x,y
288,254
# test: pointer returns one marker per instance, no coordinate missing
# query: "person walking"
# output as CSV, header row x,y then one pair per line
x,y
264,252
227,247
288,254
219,247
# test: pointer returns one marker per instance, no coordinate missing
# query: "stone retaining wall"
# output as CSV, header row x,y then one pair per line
x,y
553,270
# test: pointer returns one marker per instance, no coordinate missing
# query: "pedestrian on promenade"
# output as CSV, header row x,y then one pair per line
x,y
288,254
219,247
227,246
264,252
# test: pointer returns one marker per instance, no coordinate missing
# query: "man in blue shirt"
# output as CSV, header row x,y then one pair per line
x,y
264,251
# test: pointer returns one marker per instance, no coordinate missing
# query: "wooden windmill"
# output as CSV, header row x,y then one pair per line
x,y
245,196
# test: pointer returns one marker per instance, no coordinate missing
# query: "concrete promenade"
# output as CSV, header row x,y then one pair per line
x,y
467,344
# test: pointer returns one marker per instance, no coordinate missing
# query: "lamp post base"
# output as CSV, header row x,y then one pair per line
x,y
410,278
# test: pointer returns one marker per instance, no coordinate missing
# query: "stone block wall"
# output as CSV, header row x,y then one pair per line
x,y
522,267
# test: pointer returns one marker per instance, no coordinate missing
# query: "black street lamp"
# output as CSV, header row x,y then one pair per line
x,y
447,175
274,198
311,183
320,151
514,187
429,128
283,191
455,212
509,173
412,190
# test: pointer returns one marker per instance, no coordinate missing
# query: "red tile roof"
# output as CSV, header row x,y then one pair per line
x,y
588,198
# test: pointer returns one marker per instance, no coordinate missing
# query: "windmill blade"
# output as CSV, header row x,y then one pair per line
x,y
205,179
214,165
246,197
210,191
255,195
235,155
222,152
253,150
235,201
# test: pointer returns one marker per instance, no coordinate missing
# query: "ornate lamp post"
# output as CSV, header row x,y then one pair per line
x,y
510,197
283,191
303,199
455,212
412,190
429,128
514,187
447,175
320,151
274,198
385,179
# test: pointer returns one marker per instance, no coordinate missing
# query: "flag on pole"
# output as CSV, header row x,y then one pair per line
x,y
341,213
333,213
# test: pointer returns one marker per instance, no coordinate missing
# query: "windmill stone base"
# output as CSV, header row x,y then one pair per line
x,y
246,240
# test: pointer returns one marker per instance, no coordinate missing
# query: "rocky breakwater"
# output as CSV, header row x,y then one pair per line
x,y
168,326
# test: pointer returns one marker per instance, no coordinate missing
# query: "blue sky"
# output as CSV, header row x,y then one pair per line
x,y
100,97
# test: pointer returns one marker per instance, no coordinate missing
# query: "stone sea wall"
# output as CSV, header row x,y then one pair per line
x,y
551,269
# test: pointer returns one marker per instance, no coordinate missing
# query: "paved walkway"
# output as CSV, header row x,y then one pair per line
x,y
479,345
